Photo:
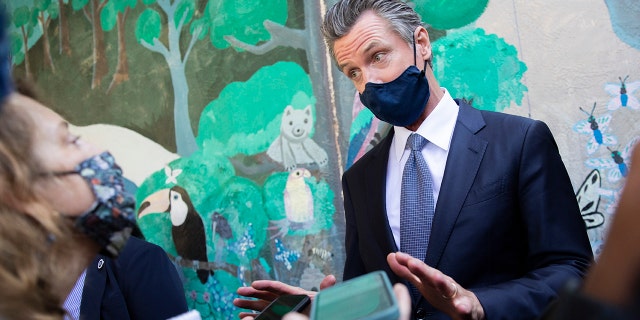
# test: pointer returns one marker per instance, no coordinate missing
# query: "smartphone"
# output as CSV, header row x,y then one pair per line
x,y
283,305
369,296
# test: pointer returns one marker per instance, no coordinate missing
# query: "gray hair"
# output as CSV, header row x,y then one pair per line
x,y
341,17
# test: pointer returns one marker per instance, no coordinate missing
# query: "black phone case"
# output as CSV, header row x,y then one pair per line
x,y
283,305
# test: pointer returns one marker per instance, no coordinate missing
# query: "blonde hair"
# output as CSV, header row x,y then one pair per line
x,y
41,254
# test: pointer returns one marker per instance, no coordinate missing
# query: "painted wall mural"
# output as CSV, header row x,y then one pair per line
x,y
234,127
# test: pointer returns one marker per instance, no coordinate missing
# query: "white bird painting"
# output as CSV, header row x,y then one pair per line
x,y
298,199
298,204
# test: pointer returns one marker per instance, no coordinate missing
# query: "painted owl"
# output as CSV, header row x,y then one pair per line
x,y
298,199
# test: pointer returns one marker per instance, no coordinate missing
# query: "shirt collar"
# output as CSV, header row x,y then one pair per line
x,y
437,127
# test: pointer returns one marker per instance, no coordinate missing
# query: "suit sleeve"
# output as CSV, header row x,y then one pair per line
x,y
353,266
150,282
558,246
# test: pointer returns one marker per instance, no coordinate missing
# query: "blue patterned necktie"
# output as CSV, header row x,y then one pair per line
x,y
417,203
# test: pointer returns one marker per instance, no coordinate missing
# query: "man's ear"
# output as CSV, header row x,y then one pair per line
x,y
423,45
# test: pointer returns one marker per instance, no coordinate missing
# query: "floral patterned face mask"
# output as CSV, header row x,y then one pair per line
x,y
111,220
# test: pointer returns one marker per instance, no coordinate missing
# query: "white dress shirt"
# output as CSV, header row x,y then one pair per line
x,y
437,128
74,299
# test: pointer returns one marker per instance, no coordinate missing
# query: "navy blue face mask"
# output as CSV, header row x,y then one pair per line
x,y
399,102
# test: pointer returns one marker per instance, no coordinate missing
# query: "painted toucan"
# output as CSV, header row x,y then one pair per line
x,y
187,228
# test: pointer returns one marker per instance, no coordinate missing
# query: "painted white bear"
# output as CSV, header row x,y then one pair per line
x,y
293,146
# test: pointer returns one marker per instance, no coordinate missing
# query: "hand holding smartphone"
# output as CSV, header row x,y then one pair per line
x,y
283,305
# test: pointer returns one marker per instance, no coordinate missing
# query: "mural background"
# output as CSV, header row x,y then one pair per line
x,y
231,113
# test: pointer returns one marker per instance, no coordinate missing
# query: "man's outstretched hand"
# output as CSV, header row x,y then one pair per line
x,y
264,292
439,289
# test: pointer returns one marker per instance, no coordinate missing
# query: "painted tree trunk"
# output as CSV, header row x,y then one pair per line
x,y
122,69
25,44
63,24
185,138
46,48
320,71
100,66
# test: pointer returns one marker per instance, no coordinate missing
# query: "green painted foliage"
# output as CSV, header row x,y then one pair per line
x,y
362,120
109,16
240,202
49,8
184,12
474,65
199,23
300,100
23,16
112,8
148,26
244,19
450,14
246,116
53,11
17,55
203,173
156,228
323,208
42,5
121,5
78,4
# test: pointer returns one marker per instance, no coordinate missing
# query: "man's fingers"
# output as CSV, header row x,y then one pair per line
x,y
397,262
450,292
256,305
276,287
257,294
269,284
268,290
247,315
401,257
432,277
327,282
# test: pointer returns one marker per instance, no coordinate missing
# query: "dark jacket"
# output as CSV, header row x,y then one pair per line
x,y
141,283
507,224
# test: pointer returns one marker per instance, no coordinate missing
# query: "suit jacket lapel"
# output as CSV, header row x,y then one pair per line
x,y
94,286
376,180
463,161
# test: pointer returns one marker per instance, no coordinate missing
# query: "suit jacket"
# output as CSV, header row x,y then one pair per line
x,y
141,283
507,224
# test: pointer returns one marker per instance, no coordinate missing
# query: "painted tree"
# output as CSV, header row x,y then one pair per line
x,y
182,15
24,19
63,26
443,15
479,67
46,10
115,14
179,15
310,40
92,10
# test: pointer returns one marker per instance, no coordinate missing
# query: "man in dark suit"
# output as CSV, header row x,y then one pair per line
x,y
506,231
141,283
